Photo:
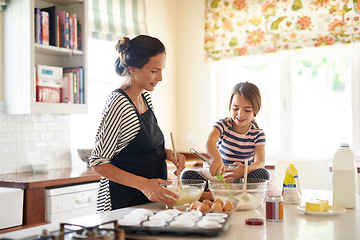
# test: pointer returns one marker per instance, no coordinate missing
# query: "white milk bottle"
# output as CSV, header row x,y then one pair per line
x,y
344,177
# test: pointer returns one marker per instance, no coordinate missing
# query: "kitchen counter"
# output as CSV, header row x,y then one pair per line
x,y
296,225
34,188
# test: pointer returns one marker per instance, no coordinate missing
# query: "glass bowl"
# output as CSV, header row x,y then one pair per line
x,y
206,167
256,190
192,190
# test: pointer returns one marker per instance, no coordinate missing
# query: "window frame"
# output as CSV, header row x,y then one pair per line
x,y
281,64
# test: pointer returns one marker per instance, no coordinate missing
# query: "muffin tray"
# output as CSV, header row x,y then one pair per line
x,y
171,221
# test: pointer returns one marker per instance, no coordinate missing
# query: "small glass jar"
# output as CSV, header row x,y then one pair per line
x,y
274,208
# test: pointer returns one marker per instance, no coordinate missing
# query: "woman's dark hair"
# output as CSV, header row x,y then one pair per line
x,y
136,52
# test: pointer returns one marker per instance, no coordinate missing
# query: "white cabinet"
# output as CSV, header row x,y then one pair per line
x,y
22,55
11,207
63,203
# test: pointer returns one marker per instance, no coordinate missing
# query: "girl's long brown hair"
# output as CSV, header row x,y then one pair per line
x,y
251,93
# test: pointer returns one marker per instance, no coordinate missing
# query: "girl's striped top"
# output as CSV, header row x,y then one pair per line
x,y
119,125
234,146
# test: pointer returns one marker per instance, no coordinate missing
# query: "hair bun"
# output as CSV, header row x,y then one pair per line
x,y
122,45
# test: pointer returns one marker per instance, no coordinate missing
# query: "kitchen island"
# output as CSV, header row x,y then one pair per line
x,y
296,225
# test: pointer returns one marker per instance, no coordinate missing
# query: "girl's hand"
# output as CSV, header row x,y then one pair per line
x,y
155,192
179,163
235,173
216,167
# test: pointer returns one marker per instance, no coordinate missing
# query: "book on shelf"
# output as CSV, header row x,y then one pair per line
x,y
77,84
67,36
52,11
68,88
58,27
79,33
38,38
49,83
49,72
45,27
46,82
61,29
73,31
64,29
82,84
48,94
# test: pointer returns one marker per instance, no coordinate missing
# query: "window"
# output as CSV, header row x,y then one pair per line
x,y
102,79
309,98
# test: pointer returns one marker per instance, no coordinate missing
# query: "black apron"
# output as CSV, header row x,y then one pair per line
x,y
143,156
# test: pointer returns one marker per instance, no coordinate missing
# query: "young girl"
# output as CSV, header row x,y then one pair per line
x,y
237,138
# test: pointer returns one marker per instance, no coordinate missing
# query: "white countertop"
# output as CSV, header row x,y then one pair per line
x,y
296,225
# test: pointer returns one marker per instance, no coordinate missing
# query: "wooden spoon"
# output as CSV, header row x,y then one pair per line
x,y
244,195
174,150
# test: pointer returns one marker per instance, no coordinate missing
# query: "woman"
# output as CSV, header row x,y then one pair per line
x,y
129,151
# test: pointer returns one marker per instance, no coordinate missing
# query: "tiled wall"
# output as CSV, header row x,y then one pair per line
x,y
34,139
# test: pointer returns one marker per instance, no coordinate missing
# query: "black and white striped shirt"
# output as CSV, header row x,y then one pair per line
x,y
119,125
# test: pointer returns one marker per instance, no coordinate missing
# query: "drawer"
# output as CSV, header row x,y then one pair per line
x,y
71,198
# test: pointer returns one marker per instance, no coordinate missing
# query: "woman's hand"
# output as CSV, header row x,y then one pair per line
x,y
179,163
216,167
155,192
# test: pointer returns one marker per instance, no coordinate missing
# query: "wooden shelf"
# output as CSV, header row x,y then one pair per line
x,y
21,63
47,49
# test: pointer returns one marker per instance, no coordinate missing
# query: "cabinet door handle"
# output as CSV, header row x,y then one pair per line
x,y
83,200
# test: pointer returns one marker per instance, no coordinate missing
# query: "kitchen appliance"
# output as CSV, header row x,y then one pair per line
x,y
98,226
108,230
11,207
63,203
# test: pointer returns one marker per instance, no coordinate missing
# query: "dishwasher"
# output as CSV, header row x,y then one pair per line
x,y
65,202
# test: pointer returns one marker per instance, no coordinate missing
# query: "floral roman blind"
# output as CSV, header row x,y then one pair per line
x,y
112,19
243,27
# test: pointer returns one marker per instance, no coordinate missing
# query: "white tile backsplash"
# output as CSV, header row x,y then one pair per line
x,y
33,139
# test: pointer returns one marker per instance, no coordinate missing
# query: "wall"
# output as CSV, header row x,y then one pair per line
x,y
181,101
1,57
160,18
34,139
193,81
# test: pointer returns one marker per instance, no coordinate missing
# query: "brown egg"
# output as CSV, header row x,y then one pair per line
x,y
208,202
203,208
218,200
195,205
217,207
228,206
